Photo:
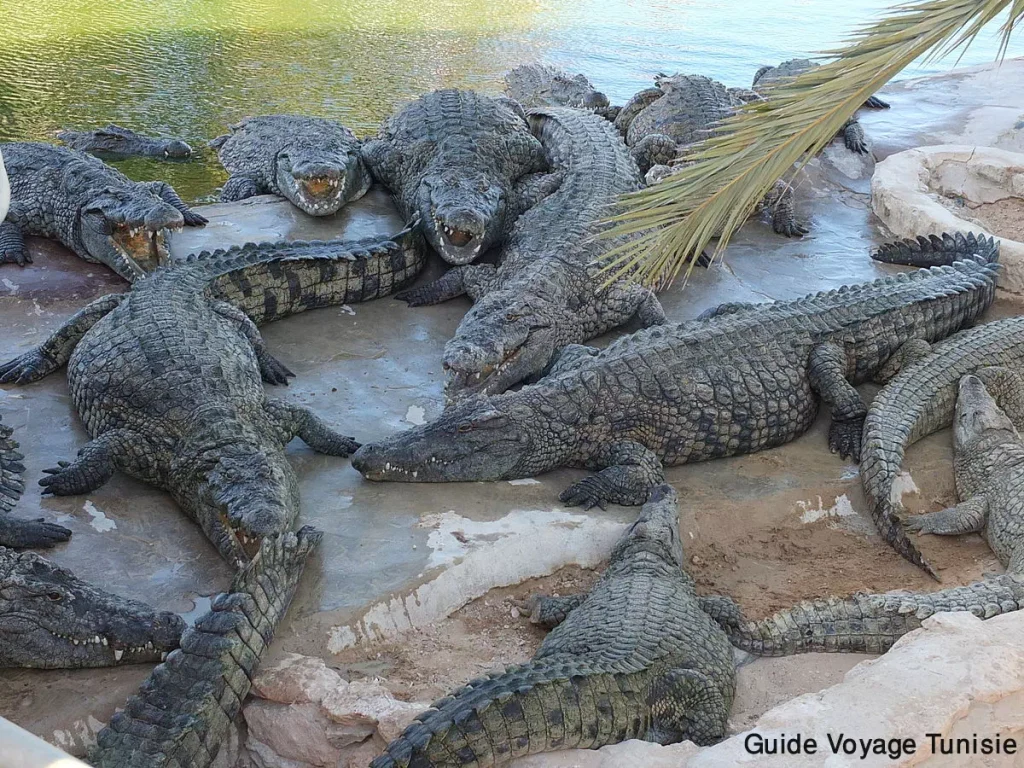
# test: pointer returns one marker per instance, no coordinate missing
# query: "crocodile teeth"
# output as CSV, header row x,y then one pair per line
x,y
163,656
118,653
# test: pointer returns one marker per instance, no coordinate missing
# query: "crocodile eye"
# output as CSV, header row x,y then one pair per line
x,y
512,316
465,426
54,597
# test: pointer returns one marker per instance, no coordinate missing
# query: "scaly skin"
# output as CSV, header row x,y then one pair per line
x,y
547,292
852,131
636,659
745,379
182,713
539,85
863,623
16,532
313,162
167,379
118,141
919,401
92,209
466,164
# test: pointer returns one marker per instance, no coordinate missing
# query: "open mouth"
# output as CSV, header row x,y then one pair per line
x,y
117,650
147,249
462,383
242,543
319,196
462,243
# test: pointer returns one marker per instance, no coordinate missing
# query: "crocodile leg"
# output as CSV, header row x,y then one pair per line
x,y
15,532
56,350
874,102
853,136
904,357
297,421
649,312
569,357
1007,387
686,704
166,192
630,471
94,465
473,280
239,187
827,368
530,190
779,202
547,611
12,243
653,149
966,517
272,370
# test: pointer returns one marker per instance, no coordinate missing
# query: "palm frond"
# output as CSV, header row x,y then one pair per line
x,y
677,219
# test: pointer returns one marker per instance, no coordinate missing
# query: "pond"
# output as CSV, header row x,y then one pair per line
x,y
190,67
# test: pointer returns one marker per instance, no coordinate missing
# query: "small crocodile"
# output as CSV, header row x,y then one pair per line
x,y
313,162
167,379
851,131
121,142
989,468
89,207
746,379
181,715
466,164
540,85
637,658
919,401
547,292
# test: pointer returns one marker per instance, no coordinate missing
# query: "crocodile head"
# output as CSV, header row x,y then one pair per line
x,y
248,494
175,149
576,91
501,341
320,180
462,213
654,536
50,619
126,229
977,413
482,438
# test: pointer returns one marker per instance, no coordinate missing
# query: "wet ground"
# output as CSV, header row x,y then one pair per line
x,y
769,529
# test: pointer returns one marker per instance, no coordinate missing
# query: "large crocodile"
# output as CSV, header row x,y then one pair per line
x,y
638,658
988,467
167,379
466,164
547,291
747,379
121,142
541,85
919,401
94,210
181,715
851,131
313,162
49,618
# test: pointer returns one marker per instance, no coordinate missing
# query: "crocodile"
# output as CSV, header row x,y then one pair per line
x,y
638,658
466,164
92,209
921,400
851,131
748,378
49,618
121,142
314,163
183,711
547,291
988,467
167,379
5,190
663,123
540,85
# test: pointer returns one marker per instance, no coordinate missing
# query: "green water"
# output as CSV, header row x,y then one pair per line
x,y
188,68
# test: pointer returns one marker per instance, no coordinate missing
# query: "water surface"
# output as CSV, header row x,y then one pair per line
x,y
189,68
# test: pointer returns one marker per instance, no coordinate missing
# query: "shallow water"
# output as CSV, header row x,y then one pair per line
x,y
190,67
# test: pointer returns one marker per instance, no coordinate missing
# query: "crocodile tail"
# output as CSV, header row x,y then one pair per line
x,y
493,719
890,526
12,485
182,712
939,250
866,623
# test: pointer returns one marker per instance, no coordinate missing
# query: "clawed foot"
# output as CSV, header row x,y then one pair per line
x,y
338,445
591,491
790,229
193,219
15,255
530,607
32,366
918,524
74,478
273,370
31,534
421,296
844,437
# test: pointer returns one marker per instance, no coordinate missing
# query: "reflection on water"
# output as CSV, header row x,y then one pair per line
x,y
188,68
